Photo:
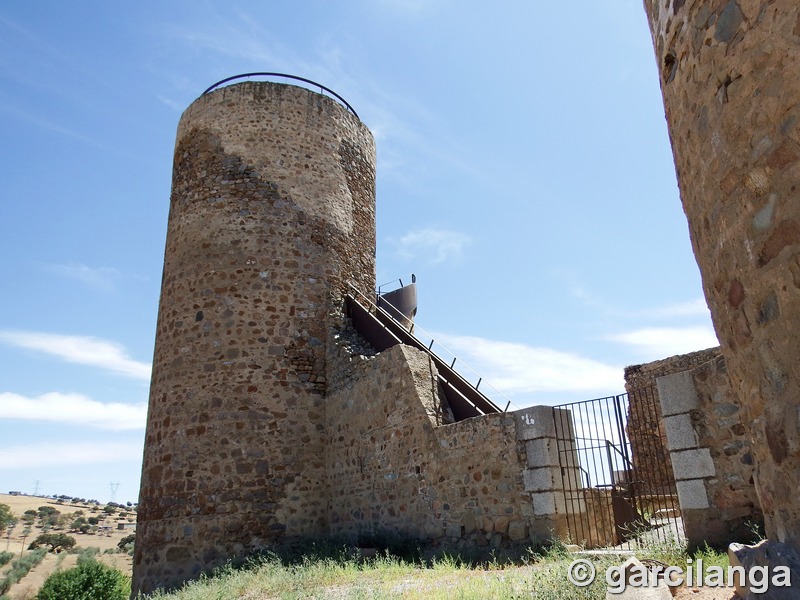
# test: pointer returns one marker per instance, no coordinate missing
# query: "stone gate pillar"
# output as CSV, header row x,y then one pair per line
x,y
729,76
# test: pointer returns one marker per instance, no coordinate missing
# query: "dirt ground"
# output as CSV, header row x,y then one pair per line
x,y
707,593
108,540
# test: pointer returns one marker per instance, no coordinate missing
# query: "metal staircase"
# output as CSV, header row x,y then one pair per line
x,y
382,330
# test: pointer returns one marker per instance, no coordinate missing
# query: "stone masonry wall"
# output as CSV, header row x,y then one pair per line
x,y
711,455
272,215
645,428
395,466
728,73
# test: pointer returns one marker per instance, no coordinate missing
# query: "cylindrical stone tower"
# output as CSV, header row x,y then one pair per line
x,y
729,76
272,215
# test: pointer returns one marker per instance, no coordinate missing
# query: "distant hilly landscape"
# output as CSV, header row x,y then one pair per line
x,y
97,529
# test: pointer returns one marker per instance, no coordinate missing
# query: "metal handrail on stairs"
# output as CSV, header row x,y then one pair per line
x,y
454,381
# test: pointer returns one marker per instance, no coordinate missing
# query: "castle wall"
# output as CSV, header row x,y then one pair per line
x,y
729,80
271,216
395,466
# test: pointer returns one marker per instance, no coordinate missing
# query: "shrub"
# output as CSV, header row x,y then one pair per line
x,y
5,558
87,554
89,580
123,543
20,567
7,518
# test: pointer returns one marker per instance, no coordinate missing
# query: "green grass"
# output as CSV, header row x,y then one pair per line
x,y
323,573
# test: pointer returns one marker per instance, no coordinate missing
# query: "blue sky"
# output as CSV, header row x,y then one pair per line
x,y
524,175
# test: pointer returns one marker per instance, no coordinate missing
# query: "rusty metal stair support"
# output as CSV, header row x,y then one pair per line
x,y
378,328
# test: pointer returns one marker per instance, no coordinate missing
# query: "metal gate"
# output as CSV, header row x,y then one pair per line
x,y
617,493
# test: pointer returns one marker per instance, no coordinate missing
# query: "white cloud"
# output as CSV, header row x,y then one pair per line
x,y
73,409
68,453
515,368
662,342
82,350
170,103
434,245
25,114
99,278
692,308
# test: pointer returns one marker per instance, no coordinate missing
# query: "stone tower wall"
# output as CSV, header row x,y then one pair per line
x,y
272,214
729,79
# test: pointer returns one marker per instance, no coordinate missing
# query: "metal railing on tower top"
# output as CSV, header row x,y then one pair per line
x,y
322,88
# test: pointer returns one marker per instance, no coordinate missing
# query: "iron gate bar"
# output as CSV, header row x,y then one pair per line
x,y
586,432
621,427
643,399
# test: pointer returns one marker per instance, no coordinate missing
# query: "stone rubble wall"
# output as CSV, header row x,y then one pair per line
x,y
395,465
711,455
272,216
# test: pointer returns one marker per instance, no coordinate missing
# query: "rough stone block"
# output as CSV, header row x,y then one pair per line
x,y
693,464
517,530
629,587
571,479
548,503
677,393
563,423
535,422
541,479
453,530
542,452
680,433
768,556
692,494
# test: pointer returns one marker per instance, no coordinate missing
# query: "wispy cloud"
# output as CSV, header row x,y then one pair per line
x,y
234,34
25,114
693,308
405,127
170,103
98,278
68,453
73,409
661,342
81,350
690,308
432,244
515,368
